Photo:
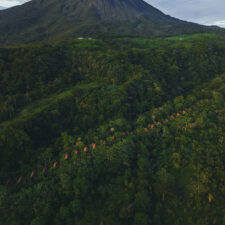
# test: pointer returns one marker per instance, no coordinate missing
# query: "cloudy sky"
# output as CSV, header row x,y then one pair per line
x,y
210,12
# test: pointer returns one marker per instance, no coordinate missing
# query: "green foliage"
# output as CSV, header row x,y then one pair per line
x,y
142,127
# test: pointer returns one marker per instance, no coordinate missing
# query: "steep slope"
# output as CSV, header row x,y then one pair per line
x,y
114,132
62,19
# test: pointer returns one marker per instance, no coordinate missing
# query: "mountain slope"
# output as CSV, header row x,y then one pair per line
x,y
63,19
113,132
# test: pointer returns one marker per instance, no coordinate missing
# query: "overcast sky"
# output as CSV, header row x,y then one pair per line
x,y
210,12
201,11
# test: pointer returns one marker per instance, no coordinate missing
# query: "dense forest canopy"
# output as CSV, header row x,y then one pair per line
x,y
113,131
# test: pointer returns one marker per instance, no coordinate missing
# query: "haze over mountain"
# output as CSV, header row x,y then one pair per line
x,y
200,11
56,20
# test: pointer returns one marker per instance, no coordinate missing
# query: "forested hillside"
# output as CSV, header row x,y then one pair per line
x,y
113,132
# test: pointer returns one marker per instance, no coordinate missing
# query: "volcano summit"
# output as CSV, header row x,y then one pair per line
x,y
40,20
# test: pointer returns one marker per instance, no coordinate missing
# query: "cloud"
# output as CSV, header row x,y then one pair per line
x,y
9,3
199,11
218,23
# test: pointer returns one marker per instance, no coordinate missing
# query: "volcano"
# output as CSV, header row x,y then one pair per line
x,y
52,20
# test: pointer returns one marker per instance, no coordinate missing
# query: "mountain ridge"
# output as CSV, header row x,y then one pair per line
x,y
53,20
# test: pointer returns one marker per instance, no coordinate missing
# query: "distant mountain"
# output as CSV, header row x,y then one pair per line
x,y
1,8
63,19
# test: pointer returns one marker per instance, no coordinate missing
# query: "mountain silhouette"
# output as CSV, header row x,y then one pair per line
x,y
40,20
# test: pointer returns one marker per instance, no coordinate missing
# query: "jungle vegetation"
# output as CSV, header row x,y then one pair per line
x,y
124,131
